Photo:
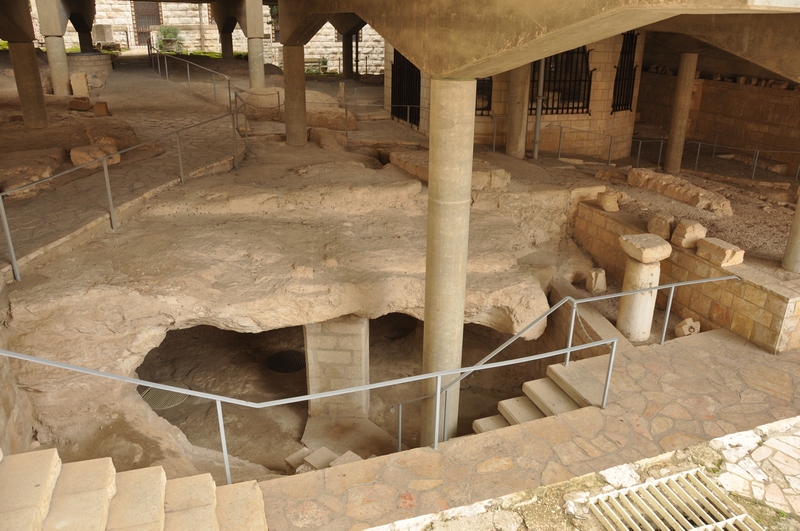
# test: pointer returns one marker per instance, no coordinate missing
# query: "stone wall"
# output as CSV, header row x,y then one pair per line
x,y
16,413
337,357
760,308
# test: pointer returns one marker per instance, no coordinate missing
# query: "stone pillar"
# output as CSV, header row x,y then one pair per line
x,y
347,56
337,357
255,61
681,103
226,42
452,129
29,84
645,252
59,68
791,257
85,38
519,85
294,75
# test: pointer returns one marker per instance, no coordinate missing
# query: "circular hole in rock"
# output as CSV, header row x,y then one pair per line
x,y
286,361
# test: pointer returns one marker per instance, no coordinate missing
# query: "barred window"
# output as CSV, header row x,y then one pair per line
x,y
483,99
625,77
567,83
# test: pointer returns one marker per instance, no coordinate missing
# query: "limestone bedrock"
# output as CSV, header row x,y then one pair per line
x,y
262,248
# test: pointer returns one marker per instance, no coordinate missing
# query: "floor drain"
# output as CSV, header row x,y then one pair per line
x,y
159,399
286,361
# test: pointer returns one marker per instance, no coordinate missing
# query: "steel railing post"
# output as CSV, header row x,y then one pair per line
x,y
697,158
666,314
166,68
571,331
660,149
639,154
223,442
610,148
158,61
214,82
408,121
180,158
400,427
235,146
188,78
560,139
714,152
755,164
108,192
7,230
438,412
797,173
494,133
230,98
608,374
444,419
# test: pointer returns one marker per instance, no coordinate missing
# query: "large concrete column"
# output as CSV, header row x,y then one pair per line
x,y
337,354
85,39
791,257
347,56
519,85
226,42
294,76
29,84
645,252
59,68
452,130
255,61
681,104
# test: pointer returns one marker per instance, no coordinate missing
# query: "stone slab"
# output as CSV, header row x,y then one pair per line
x,y
494,422
345,458
719,252
27,482
578,382
687,233
646,248
548,396
296,459
139,499
192,491
519,409
319,459
240,507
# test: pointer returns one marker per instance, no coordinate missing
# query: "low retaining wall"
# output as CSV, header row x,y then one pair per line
x,y
761,308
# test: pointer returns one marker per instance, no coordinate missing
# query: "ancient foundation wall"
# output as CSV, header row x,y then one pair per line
x,y
760,308
337,357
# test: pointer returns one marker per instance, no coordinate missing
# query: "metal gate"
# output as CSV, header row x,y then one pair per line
x,y
145,14
405,90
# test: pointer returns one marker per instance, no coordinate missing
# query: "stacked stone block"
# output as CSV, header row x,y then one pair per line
x,y
761,308
16,413
337,355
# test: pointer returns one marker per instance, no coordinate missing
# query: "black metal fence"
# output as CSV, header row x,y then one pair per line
x,y
625,77
405,90
567,83
483,99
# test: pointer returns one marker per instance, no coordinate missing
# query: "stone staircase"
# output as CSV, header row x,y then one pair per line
x,y
563,389
38,492
306,460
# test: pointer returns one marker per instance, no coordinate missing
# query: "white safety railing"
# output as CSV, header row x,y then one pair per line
x,y
757,152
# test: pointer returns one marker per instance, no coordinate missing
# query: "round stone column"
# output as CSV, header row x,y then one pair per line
x,y
645,252
255,62
59,67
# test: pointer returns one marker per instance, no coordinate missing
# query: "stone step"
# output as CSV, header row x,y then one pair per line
x,y
139,500
346,458
26,487
579,380
518,410
548,397
494,422
321,458
240,507
190,504
82,496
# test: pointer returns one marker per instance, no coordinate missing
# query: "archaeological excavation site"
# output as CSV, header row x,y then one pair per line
x,y
345,265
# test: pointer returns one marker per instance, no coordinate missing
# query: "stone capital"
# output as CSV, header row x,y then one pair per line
x,y
646,248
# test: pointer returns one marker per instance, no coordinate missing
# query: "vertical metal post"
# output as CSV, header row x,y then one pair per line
x,y
660,149
108,192
166,68
444,420
400,427
697,158
608,374
438,412
639,154
346,127
158,60
714,153
214,82
666,314
537,126
188,77
494,133
560,139
230,99
280,114
571,331
610,147
797,173
408,121
224,442
14,266
235,146
180,158
755,165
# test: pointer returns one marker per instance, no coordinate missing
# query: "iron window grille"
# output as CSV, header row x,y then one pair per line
x,y
483,98
567,83
406,88
625,77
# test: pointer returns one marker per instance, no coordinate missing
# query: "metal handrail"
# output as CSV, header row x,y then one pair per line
x,y
561,137
574,302
756,153
639,152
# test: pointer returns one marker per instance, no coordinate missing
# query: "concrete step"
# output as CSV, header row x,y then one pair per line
x,y
139,500
548,396
82,496
579,380
240,507
26,487
494,422
518,410
190,504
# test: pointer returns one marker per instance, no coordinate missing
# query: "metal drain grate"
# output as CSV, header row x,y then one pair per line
x,y
286,361
685,501
159,399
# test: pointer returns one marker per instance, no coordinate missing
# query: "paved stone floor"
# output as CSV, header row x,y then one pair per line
x,y
667,397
